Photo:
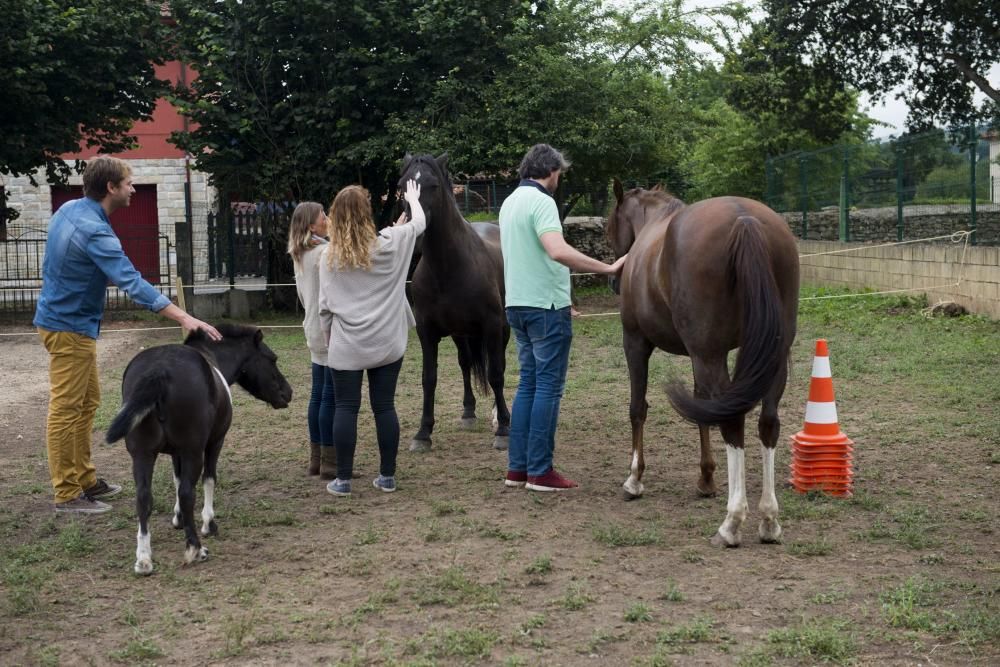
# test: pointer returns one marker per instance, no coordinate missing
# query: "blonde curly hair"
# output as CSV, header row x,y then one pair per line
x,y
352,230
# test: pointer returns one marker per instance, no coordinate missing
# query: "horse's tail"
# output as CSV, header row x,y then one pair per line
x,y
149,393
762,334
476,353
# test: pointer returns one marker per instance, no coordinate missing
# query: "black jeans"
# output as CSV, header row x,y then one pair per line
x,y
382,395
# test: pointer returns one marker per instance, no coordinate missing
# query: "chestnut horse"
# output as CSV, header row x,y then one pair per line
x,y
458,291
701,280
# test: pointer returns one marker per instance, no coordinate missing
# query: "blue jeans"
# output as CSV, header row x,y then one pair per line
x,y
321,403
382,396
543,340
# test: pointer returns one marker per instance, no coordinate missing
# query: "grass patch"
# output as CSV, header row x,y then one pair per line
x,y
698,631
819,640
638,613
614,535
575,598
541,565
137,651
820,547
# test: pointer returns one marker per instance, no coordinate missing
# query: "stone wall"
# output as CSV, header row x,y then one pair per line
x,y
919,222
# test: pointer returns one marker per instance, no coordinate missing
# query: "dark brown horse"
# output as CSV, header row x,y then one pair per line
x,y
701,280
458,291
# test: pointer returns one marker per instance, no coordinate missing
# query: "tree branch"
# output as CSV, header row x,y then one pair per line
x,y
973,76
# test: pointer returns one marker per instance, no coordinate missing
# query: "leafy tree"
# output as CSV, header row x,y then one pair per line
x,y
939,52
73,73
292,98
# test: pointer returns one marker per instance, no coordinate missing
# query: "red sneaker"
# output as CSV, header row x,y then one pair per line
x,y
550,481
516,478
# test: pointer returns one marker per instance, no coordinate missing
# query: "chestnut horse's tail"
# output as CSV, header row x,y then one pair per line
x,y
762,335
148,394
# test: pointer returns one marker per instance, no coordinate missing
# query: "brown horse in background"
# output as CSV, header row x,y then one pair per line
x,y
701,280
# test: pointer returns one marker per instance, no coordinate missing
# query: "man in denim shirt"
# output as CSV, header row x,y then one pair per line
x,y
82,254
536,265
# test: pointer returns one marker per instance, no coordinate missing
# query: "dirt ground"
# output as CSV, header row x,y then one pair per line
x,y
457,569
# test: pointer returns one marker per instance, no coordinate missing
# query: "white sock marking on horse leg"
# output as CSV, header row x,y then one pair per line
x,y
175,519
770,529
632,485
208,510
736,508
143,553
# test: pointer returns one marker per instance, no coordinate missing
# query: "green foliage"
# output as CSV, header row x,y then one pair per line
x,y
74,73
939,52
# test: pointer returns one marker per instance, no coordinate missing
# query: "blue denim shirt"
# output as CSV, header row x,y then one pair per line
x,y
82,254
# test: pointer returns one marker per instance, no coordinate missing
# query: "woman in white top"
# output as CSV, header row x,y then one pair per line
x,y
306,240
366,318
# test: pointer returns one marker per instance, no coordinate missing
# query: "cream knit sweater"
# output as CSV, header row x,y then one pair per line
x,y
307,286
365,314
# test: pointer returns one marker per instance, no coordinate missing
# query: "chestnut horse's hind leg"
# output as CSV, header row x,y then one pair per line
x,y
637,352
729,533
769,428
142,473
429,348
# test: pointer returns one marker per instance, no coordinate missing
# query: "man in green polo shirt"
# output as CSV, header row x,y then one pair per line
x,y
536,265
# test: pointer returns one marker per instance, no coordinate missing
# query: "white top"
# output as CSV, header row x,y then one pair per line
x,y
365,313
307,286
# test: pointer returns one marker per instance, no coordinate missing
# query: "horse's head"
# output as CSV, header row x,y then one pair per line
x,y
261,376
431,174
632,212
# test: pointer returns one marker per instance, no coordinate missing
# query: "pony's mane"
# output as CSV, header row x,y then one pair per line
x,y
227,329
432,162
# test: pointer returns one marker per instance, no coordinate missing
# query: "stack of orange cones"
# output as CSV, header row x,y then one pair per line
x,y
821,453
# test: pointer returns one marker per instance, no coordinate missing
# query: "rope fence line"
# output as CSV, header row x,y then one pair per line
x,y
961,236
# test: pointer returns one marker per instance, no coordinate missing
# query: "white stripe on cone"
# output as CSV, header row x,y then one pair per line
x,y
821,413
821,367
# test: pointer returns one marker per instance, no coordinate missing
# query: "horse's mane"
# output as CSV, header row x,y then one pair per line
x,y
432,162
227,329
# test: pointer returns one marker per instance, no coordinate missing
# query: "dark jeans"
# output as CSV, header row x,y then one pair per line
x,y
543,340
321,402
382,395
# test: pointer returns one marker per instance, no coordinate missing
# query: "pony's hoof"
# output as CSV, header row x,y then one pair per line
x,y
769,531
729,542
467,423
420,445
633,489
211,530
195,554
144,567
501,442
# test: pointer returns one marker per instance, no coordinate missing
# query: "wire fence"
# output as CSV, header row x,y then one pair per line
x,y
914,186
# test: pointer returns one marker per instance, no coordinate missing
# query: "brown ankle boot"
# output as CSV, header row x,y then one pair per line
x,y
313,458
328,463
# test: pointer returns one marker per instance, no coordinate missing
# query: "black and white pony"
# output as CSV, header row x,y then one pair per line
x,y
176,401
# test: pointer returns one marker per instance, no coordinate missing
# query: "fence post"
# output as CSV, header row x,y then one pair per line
x,y
973,147
769,177
466,191
844,232
899,191
230,222
803,195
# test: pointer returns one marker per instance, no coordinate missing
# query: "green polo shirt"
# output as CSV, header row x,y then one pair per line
x,y
531,277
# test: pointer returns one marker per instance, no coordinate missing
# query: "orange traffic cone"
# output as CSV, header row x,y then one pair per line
x,y
821,453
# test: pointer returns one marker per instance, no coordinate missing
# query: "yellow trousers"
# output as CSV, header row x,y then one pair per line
x,y
74,396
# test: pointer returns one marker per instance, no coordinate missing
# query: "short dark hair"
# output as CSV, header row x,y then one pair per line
x,y
103,170
540,161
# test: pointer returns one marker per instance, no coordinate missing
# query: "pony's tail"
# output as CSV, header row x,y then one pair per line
x,y
762,335
149,393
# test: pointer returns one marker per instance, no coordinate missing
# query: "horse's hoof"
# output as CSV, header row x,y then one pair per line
x,y
769,531
211,530
633,489
720,540
177,522
707,490
467,423
144,567
420,445
195,554
501,442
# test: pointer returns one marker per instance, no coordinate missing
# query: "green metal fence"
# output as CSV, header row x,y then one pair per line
x,y
911,187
